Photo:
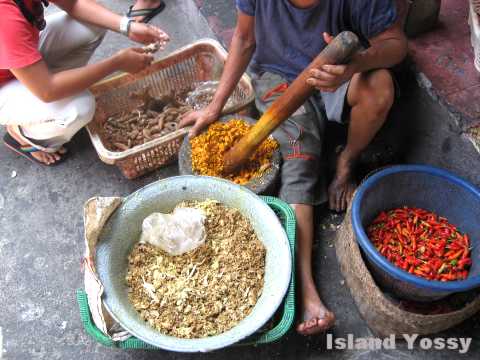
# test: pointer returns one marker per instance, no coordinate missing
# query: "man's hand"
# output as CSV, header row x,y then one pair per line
x,y
240,53
329,78
133,60
147,34
199,119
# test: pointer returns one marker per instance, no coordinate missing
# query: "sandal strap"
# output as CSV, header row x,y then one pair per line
x,y
139,12
147,13
32,147
28,149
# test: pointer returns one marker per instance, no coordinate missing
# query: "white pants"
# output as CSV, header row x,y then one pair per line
x,y
64,44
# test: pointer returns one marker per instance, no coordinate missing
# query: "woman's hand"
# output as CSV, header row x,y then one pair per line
x,y
147,34
329,78
199,119
133,60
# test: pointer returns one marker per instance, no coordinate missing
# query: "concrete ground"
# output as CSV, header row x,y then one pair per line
x,y
41,236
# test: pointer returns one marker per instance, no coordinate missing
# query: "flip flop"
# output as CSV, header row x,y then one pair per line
x,y
148,14
27,150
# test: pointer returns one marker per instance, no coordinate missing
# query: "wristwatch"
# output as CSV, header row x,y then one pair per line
x,y
125,25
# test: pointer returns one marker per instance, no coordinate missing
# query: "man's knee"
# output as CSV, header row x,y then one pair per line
x,y
377,92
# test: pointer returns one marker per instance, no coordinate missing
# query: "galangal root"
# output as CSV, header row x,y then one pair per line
x,y
154,118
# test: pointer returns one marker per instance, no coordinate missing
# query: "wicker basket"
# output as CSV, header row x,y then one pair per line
x,y
190,65
384,314
474,21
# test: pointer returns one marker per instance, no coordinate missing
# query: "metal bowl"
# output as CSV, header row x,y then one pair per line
x,y
258,185
122,231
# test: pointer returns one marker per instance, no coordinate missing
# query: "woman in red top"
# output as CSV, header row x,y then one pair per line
x,y
44,73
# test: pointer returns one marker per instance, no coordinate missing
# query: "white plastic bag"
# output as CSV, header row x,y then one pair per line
x,y
176,233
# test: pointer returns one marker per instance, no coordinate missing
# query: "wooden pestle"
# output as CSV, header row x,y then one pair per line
x,y
339,51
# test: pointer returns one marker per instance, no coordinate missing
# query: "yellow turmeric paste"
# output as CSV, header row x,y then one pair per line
x,y
209,148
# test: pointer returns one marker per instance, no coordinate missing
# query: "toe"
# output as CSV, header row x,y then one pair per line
x,y
46,158
351,191
331,198
50,159
338,201
301,328
343,201
40,157
327,321
311,323
62,151
315,326
307,327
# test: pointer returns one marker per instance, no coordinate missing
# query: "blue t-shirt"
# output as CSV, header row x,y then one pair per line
x,y
289,38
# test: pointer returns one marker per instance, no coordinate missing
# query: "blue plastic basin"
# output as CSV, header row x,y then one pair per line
x,y
425,187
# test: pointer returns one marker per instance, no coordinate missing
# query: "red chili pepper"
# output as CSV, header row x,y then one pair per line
x,y
422,243
455,246
463,262
448,277
456,255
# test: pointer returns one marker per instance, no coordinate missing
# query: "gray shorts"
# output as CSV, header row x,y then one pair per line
x,y
303,173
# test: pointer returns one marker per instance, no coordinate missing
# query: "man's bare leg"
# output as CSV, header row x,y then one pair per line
x,y
145,4
370,97
43,157
316,317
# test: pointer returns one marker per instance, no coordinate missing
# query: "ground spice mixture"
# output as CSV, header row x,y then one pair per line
x,y
209,148
204,292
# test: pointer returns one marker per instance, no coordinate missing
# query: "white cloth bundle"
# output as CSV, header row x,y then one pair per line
x,y
176,233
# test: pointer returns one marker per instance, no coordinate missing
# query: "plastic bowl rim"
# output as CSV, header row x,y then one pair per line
x,y
382,262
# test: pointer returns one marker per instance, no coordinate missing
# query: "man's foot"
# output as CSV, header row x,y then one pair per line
x,y
316,318
41,156
343,185
145,5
